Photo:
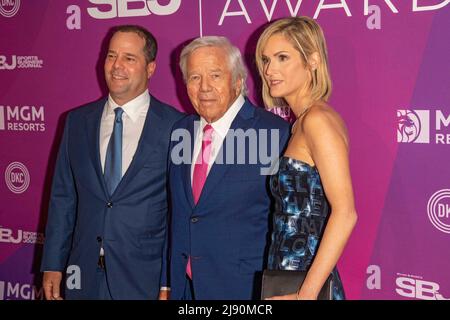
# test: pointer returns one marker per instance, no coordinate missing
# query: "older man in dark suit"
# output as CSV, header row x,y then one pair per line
x,y
219,197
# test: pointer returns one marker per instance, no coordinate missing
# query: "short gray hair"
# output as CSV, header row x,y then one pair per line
x,y
235,61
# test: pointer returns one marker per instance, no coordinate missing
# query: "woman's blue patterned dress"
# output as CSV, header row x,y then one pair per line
x,y
300,214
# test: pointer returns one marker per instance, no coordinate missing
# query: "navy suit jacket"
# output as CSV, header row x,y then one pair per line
x,y
226,233
131,222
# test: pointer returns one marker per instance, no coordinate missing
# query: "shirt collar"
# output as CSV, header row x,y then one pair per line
x,y
132,108
222,125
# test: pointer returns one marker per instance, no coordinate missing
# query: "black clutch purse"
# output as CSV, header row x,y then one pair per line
x,y
282,282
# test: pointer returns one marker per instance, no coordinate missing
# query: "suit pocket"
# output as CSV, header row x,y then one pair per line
x,y
151,248
250,260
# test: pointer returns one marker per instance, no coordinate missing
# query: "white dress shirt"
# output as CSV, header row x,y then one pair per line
x,y
133,118
221,128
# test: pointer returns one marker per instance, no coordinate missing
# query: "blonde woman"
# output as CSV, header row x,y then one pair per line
x,y
314,212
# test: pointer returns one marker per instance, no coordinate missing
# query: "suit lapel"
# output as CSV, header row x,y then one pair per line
x,y
244,120
148,142
93,133
186,167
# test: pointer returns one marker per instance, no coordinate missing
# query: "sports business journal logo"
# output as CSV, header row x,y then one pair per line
x,y
416,287
20,62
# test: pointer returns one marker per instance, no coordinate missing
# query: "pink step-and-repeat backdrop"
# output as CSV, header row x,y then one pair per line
x,y
390,64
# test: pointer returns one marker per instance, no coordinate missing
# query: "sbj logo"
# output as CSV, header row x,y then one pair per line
x,y
110,9
416,287
139,8
8,235
16,291
438,209
5,65
17,177
20,62
413,126
9,8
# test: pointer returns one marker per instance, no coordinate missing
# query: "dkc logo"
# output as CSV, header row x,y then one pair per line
x,y
9,8
438,209
131,8
17,177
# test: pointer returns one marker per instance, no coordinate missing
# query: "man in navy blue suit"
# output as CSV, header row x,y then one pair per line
x,y
108,207
218,178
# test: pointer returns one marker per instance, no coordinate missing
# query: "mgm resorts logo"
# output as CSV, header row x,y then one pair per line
x,y
9,8
415,126
18,291
22,118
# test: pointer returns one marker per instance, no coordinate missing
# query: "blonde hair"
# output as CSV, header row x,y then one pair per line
x,y
307,37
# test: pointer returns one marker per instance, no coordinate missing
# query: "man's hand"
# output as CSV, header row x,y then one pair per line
x,y
51,284
164,294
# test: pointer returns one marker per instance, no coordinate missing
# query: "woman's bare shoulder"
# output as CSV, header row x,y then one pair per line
x,y
321,119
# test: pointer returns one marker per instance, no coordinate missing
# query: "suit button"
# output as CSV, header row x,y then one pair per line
x,y
109,205
194,219
99,239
